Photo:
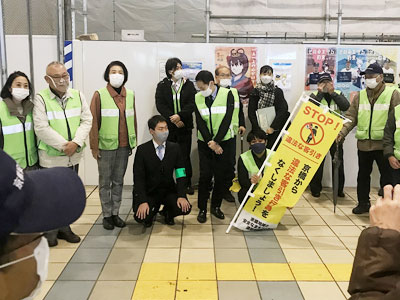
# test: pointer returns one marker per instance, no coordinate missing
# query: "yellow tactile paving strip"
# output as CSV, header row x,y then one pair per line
x,y
180,262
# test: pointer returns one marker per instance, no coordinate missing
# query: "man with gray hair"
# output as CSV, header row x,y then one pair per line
x,y
62,121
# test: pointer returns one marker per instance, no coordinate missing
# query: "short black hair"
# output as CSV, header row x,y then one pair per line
x,y
112,64
256,134
171,64
265,69
154,120
205,76
5,91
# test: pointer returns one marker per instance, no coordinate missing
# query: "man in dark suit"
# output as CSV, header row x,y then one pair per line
x,y
175,102
155,164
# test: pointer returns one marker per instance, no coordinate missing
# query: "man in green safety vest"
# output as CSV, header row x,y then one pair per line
x,y
216,125
62,121
250,162
369,112
223,77
391,143
336,101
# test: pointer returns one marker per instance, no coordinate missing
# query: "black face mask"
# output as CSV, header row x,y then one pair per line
x,y
258,148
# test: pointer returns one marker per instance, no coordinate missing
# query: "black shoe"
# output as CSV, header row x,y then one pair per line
x,y
216,211
202,217
380,192
118,222
228,197
108,223
52,243
316,195
148,224
361,209
169,221
69,236
190,190
341,194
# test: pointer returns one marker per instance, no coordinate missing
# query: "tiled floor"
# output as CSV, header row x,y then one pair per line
x,y
309,256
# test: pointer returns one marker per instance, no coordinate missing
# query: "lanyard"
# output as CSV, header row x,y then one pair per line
x,y
177,98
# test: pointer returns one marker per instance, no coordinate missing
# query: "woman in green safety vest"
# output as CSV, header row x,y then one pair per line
x,y
250,162
17,137
112,138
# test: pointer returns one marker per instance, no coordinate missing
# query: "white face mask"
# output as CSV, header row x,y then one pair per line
x,y
41,254
225,82
19,94
207,92
178,74
116,80
266,79
371,83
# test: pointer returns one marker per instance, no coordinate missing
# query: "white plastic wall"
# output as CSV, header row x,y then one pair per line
x,y
90,59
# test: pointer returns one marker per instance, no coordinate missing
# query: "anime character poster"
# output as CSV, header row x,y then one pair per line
x,y
318,61
242,61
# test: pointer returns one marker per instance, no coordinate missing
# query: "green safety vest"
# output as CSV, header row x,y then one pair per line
x,y
19,137
371,123
249,162
397,132
64,121
217,112
108,133
235,117
333,106
177,98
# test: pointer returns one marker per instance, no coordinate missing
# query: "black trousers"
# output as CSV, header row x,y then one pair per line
x,y
365,162
315,184
52,235
217,166
230,174
395,176
168,199
185,144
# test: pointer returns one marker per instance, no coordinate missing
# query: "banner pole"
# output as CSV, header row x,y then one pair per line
x,y
304,98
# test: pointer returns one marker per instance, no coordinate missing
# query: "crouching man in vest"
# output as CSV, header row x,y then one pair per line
x,y
62,121
369,112
391,143
216,131
250,162
336,101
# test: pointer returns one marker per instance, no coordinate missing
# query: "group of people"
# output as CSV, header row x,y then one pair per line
x,y
51,130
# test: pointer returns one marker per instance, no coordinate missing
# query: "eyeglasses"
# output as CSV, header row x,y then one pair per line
x,y
58,78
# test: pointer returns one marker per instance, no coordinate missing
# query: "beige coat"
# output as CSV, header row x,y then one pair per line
x,y
52,138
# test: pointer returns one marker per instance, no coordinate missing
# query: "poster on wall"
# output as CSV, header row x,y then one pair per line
x,y
190,70
319,60
352,61
242,61
283,74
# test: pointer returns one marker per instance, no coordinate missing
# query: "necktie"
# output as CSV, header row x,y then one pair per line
x,y
160,152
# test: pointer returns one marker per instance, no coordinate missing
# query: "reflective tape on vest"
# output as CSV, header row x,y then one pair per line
x,y
381,106
130,113
214,110
398,124
110,112
364,107
59,115
237,105
12,129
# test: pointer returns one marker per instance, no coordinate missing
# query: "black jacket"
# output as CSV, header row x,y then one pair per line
x,y
281,110
150,175
165,104
226,122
